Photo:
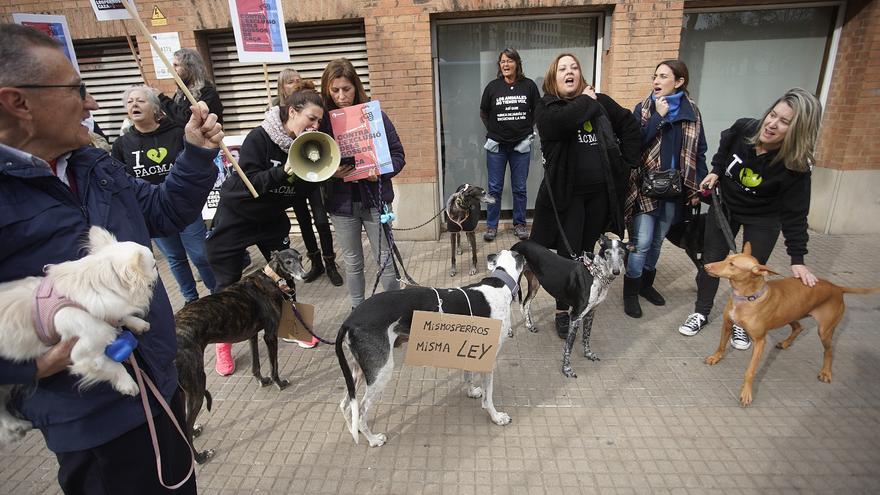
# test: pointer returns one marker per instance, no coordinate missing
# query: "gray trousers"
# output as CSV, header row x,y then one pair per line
x,y
348,236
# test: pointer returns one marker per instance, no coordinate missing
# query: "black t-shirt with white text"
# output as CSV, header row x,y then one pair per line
x,y
510,109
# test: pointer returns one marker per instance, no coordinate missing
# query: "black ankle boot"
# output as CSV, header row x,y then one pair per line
x,y
631,296
332,271
563,320
317,267
647,289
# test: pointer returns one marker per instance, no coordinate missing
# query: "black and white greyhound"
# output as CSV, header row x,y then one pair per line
x,y
462,216
582,285
372,329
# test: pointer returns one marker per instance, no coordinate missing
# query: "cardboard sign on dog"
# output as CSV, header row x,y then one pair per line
x,y
443,340
289,327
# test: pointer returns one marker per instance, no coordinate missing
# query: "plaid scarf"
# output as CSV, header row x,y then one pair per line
x,y
651,161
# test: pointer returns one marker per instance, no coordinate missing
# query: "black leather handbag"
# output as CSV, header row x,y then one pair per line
x,y
662,184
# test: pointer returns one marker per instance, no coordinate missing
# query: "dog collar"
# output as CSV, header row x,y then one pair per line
x,y
280,282
506,278
47,303
753,297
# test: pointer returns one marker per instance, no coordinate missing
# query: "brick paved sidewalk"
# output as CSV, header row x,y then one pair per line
x,y
649,417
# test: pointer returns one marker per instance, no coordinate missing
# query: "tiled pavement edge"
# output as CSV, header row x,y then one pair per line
x,y
649,417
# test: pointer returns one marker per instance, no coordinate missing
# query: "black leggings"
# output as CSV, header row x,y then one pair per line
x,y
229,239
584,221
763,239
322,223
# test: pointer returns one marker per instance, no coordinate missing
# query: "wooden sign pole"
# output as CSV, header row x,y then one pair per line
x,y
268,87
182,86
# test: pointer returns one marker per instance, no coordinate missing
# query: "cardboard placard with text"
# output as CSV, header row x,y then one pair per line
x,y
290,327
444,340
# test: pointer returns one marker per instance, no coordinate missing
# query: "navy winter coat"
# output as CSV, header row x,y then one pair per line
x,y
43,222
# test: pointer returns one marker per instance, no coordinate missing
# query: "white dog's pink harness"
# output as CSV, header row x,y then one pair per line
x,y
47,302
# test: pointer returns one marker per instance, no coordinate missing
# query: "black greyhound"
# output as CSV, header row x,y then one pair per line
x,y
462,215
581,285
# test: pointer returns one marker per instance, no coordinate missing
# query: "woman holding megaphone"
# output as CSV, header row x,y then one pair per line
x,y
242,220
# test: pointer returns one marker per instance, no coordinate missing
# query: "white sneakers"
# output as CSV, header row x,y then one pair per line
x,y
693,324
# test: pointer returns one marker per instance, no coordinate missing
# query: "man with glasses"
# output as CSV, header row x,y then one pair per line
x,y
53,187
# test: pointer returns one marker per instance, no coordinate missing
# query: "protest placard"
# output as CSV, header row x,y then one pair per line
x,y
111,10
224,170
260,35
359,131
168,43
54,26
444,340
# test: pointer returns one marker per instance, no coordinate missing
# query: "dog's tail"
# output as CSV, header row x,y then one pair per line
x,y
349,385
859,290
208,399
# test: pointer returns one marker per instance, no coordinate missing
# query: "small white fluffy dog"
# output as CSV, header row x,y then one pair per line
x,y
112,286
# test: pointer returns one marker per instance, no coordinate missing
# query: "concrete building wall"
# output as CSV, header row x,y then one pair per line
x,y
643,32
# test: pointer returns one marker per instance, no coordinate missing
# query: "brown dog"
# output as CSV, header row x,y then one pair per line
x,y
760,306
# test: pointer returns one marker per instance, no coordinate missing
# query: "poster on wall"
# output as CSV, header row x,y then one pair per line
x,y
169,43
360,133
111,10
53,25
260,35
224,170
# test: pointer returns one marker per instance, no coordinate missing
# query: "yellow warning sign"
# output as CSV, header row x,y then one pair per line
x,y
158,18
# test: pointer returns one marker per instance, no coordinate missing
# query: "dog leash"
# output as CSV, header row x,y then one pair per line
x,y
305,325
558,222
141,378
723,223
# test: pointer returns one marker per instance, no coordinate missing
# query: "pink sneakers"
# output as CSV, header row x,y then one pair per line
x,y
225,365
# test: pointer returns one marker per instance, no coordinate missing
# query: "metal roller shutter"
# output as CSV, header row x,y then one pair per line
x,y
242,87
108,69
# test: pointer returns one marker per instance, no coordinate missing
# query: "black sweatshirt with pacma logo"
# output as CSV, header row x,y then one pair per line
x,y
758,193
150,155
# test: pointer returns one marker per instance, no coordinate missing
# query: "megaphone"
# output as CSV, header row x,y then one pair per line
x,y
313,156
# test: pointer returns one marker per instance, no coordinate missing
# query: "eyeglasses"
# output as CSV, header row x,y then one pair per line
x,y
80,86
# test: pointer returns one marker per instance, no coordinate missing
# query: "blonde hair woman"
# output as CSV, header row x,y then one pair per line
x,y
763,170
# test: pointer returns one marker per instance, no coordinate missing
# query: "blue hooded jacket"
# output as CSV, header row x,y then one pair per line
x,y
44,222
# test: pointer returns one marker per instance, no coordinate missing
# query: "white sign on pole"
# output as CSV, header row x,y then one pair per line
x,y
111,10
170,43
53,25
260,35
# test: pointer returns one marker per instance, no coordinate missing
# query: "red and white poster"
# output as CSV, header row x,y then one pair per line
x,y
260,35
360,133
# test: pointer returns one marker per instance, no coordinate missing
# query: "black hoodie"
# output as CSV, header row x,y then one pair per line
x,y
150,155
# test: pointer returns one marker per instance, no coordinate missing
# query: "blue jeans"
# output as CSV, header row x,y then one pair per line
x,y
190,241
348,235
649,230
519,173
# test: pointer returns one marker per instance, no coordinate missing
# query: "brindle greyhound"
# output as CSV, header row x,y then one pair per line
x,y
235,314
462,215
